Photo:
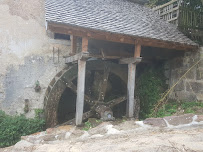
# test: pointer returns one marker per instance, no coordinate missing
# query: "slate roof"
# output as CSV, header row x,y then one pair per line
x,y
115,16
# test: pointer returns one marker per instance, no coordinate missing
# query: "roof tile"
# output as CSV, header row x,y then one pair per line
x,y
117,16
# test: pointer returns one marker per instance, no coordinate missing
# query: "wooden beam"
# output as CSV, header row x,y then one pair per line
x,y
78,56
73,45
137,49
130,60
131,81
87,55
84,44
82,32
80,91
81,84
114,37
116,101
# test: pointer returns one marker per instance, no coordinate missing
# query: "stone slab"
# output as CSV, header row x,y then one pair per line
x,y
22,145
199,118
179,120
60,129
155,122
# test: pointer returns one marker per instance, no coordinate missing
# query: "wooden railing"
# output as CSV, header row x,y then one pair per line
x,y
190,18
189,21
169,11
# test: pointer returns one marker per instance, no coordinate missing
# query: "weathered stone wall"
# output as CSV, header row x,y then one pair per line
x,y
26,55
190,87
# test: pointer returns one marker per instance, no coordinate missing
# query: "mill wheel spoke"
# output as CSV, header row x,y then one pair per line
x,y
90,83
86,115
116,101
74,89
103,84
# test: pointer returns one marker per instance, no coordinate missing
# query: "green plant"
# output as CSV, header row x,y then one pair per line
x,y
167,110
88,125
163,100
13,127
39,113
150,86
185,105
174,107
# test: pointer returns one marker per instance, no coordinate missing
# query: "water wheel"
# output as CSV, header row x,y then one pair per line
x,y
105,87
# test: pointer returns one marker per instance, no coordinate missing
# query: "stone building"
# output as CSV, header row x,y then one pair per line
x,y
28,53
31,56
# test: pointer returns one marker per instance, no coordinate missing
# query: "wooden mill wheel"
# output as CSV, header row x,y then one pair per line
x,y
105,87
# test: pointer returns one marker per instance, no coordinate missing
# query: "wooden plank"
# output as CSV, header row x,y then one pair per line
x,y
107,56
80,91
130,60
73,45
78,56
86,55
102,35
130,90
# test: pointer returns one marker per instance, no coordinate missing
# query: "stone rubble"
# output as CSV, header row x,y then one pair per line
x,y
105,131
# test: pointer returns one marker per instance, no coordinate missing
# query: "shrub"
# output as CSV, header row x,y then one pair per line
x,y
174,107
13,127
150,87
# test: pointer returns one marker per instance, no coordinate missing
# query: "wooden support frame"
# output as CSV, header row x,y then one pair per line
x,y
114,37
131,82
84,44
87,55
73,45
81,84
130,60
78,56
130,90
80,91
137,49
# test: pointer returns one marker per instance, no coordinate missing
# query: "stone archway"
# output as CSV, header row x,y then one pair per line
x,y
58,85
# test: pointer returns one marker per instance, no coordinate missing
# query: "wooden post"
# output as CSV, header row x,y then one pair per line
x,y
131,88
84,44
73,45
80,91
137,50
131,83
81,84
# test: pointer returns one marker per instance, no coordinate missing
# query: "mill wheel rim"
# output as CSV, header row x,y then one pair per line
x,y
69,74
